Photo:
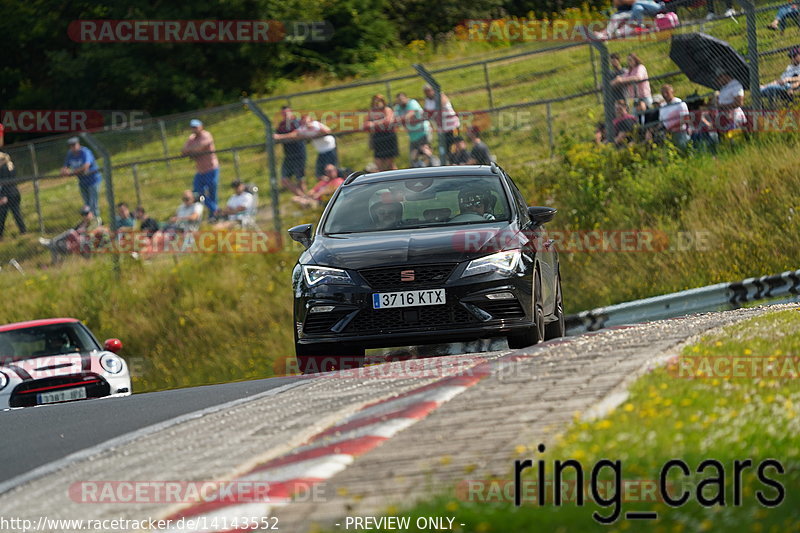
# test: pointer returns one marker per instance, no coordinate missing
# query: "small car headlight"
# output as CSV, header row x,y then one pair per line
x,y
3,380
111,363
503,262
319,274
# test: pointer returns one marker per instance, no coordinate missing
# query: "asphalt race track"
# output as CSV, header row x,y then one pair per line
x,y
36,436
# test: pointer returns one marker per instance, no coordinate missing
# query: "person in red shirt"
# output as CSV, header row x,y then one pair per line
x,y
200,147
330,180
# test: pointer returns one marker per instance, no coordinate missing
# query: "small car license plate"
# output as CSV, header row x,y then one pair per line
x,y
66,395
387,300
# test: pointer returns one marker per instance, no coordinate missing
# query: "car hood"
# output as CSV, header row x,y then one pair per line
x,y
53,365
450,244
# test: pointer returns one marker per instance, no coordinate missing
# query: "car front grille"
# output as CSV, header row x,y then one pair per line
x,y
503,308
25,394
424,277
450,315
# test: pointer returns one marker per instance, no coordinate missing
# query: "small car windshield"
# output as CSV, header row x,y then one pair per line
x,y
417,203
52,339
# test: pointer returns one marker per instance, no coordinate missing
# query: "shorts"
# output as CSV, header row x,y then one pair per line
x,y
294,167
324,159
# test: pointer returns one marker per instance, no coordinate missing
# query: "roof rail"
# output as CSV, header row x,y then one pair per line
x,y
494,167
353,176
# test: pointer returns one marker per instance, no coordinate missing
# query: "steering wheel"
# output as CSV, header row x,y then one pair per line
x,y
467,217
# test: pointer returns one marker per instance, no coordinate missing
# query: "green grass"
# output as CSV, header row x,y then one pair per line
x,y
668,417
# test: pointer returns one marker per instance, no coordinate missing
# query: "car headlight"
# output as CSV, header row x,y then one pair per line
x,y
503,262
111,363
319,274
3,380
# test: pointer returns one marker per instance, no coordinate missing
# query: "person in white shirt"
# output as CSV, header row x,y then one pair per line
x,y
449,120
672,116
729,103
783,89
239,208
324,143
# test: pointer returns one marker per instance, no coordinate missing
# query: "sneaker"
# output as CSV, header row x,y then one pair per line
x,y
729,13
45,242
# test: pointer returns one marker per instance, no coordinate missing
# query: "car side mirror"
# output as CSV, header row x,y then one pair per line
x,y
541,215
112,345
301,234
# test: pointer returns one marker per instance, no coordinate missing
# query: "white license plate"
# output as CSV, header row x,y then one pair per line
x,y
66,395
386,300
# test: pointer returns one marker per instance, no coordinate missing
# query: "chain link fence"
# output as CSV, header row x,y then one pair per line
x,y
522,105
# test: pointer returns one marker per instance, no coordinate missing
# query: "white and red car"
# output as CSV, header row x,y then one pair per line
x,y
58,360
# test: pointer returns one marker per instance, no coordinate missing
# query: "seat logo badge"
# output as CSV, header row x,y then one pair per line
x,y
407,275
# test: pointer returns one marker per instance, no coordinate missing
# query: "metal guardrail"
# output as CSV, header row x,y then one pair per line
x,y
700,300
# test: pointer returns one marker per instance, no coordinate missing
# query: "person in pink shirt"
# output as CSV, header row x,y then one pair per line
x,y
636,80
200,147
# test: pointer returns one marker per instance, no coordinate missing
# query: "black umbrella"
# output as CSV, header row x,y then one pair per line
x,y
703,57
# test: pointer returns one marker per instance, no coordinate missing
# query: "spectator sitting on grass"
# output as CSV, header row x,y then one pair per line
x,y
635,80
600,134
144,223
673,115
788,12
188,215
331,179
77,239
480,152
624,124
425,158
783,88
729,100
125,220
460,156
239,207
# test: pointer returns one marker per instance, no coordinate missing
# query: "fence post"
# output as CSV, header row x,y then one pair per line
x,y
236,164
594,70
752,53
388,91
548,108
36,199
135,171
112,219
488,84
163,129
271,166
608,98
437,95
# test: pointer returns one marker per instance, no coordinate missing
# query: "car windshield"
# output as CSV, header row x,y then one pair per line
x,y
53,339
417,203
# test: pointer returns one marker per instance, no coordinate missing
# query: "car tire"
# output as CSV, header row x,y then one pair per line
x,y
557,328
315,358
535,333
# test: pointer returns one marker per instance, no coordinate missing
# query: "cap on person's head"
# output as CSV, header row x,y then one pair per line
x,y
85,210
235,183
73,140
795,50
195,123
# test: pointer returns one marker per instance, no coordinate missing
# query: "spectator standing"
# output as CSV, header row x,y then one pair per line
x,y
80,162
9,195
294,152
480,154
411,115
449,119
200,147
460,156
382,137
635,80
324,143
673,115
783,89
